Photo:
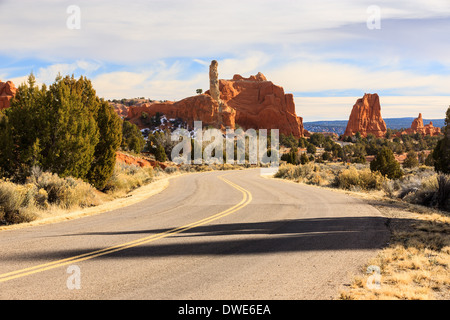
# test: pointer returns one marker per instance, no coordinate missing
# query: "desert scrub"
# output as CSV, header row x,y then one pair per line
x,y
22,202
171,170
66,193
425,188
354,179
127,177
16,205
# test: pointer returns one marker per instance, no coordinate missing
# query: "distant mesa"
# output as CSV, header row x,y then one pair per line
x,y
418,127
7,92
250,103
366,118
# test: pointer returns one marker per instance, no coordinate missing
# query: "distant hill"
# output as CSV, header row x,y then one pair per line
x,y
339,126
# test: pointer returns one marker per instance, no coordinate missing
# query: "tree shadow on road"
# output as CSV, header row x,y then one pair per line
x,y
343,233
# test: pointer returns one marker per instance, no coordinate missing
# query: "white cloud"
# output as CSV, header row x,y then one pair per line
x,y
318,76
143,30
304,46
158,83
48,74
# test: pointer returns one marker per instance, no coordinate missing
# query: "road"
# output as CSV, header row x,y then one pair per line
x,y
215,235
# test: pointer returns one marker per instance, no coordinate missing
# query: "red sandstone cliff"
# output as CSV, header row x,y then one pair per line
x,y
252,102
366,117
7,92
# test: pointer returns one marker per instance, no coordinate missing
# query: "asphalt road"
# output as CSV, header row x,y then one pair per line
x,y
216,235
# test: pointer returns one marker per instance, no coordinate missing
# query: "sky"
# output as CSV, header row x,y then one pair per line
x,y
328,53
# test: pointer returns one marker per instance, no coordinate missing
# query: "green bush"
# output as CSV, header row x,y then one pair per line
x,y
132,138
386,164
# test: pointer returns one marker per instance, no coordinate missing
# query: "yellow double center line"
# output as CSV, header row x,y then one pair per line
x,y
247,198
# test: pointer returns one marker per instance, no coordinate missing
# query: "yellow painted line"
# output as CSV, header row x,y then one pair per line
x,y
247,198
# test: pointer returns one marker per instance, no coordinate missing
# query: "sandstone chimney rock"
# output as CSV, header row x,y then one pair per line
x,y
214,81
7,92
366,117
251,103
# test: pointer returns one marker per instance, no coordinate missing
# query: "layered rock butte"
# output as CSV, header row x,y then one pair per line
x,y
418,127
366,117
251,103
7,92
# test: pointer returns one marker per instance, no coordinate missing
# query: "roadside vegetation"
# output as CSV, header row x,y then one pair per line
x,y
414,196
58,152
58,148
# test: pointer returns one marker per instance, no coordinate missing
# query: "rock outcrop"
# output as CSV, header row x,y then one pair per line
x,y
260,104
251,103
366,117
417,126
214,81
137,161
7,92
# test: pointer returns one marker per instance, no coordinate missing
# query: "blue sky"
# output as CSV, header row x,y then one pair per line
x,y
321,50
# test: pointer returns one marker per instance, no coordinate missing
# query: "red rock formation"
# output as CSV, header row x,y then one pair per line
x,y
7,92
197,108
143,163
260,104
121,109
418,127
366,117
251,103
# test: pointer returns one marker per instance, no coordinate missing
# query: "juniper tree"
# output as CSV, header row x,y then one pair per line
x,y
110,129
65,129
441,153
386,164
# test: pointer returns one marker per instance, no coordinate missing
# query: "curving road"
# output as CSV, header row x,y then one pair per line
x,y
216,235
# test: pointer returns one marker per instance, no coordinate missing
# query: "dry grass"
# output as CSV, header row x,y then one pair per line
x,y
415,265
42,192
127,177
